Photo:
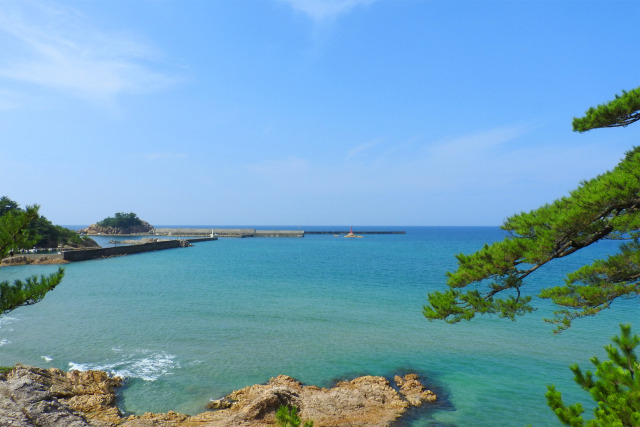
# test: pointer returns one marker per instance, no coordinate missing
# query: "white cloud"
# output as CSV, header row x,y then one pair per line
x,y
59,49
321,10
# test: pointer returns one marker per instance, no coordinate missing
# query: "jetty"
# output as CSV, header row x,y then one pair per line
x,y
252,232
98,253
241,233
226,232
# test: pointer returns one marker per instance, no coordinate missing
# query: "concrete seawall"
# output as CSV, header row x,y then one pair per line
x,y
356,232
88,254
227,232
252,232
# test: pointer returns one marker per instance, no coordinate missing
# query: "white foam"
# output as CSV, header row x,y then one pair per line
x,y
4,342
47,358
6,321
142,364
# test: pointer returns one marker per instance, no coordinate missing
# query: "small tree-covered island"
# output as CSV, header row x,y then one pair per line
x,y
120,223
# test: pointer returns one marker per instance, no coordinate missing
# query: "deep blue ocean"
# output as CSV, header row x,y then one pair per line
x,y
192,324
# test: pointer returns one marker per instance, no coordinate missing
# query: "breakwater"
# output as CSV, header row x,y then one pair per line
x,y
252,232
356,232
88,254
227,232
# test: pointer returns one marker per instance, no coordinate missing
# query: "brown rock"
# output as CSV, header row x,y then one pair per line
x,y
33,259
143,228
413,390
222,403
78,399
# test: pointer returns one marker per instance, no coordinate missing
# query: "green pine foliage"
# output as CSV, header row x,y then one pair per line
x,y
121,220
287,416
615,387
27,292
622,111
15,233
490,280
37,229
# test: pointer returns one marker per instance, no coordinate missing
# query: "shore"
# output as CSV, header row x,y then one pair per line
x,y
36,396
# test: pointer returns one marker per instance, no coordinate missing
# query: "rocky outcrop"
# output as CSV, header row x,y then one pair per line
x,y
33,397
413,390
50,397
33,259
143,228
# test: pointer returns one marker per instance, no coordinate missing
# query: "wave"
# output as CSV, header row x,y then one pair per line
x,y
7,321
143,364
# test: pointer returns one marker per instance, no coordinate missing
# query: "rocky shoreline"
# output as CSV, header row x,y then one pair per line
x,y
38,259
31,396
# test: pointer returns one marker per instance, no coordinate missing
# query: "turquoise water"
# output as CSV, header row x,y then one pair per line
x,y
188,325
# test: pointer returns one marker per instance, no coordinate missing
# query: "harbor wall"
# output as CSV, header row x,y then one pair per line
x,y
252,232
227,232
88,254
356,232
247,232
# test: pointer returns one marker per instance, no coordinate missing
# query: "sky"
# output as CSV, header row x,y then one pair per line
x,y
308,112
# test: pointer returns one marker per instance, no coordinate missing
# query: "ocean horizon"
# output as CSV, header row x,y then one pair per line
x,y
187,325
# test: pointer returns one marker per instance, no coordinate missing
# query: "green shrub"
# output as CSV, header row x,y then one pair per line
x,y
287,416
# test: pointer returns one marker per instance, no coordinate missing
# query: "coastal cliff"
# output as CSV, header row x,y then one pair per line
x,y
32,396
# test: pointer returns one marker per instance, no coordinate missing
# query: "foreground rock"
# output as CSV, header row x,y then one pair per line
x,y
38,397
34,397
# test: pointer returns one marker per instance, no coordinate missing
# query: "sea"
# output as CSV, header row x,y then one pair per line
x,y
188,325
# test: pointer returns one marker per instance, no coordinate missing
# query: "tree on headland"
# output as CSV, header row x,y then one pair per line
x,y
15,234
14,226
606,207
615,387
38,230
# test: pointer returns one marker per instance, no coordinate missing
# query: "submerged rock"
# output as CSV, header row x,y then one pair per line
x,y
33,397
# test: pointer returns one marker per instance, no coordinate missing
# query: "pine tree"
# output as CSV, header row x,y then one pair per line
x,y
606,207
615,387
15,234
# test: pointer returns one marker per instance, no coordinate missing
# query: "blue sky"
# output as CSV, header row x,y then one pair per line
x,y
302,112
